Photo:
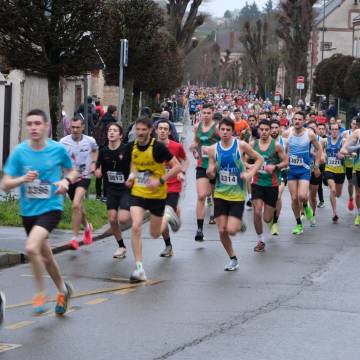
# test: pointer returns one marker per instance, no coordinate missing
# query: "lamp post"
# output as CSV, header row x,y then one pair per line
x,y
323,33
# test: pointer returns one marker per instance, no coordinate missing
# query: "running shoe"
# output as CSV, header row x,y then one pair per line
x,y
63,299
88,237
298,229
2,307
138,275
167,252
274,229
357,220
199,235
260,246
351,204
308,212
302,217
74,245
172,218
243,226
212,220
249,204
209,201
321,204
313,222
120,253
39,304
103,199
335,219
232,265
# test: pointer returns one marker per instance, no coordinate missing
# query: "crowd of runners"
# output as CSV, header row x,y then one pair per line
x,y
247,151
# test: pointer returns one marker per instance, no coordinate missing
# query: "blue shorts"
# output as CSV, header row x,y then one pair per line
x,y
299,173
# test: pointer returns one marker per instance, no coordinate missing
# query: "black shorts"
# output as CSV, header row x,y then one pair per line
x,y
316,180
118,201
356,178
173,200
338,178
201,173
349,173
48,221
84,183
228,208
155,206
268,194
284,179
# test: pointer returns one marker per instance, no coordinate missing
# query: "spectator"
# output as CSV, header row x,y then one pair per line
x,y
99,109
92,114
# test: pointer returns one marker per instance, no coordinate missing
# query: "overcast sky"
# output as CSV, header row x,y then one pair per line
x,y
218,7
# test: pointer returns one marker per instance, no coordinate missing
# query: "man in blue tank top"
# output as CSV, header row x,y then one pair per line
x,y
298,149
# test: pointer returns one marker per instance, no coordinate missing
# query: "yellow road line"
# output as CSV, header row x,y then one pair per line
x,y
96,301
19,325
93,292
6,347
124,291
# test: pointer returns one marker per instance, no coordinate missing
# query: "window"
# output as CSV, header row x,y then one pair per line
x,y
326,45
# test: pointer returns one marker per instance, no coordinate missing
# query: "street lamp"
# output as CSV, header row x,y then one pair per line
x,y
323,32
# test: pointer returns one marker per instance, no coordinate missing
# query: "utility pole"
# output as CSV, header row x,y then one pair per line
x,y
123,63
323,33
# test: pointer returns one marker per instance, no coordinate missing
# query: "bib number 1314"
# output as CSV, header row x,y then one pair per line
x,y
227,178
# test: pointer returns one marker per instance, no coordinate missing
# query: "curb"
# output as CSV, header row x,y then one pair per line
x,y
8,259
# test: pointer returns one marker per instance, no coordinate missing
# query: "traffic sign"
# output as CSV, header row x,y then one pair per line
x,y
277,95
300,83
300,79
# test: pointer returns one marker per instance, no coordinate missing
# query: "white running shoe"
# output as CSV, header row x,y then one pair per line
x,y
232,266
120,253
138,275
172,218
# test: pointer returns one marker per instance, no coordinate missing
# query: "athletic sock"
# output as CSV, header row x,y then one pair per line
x,y
139,265
200,224
260,237
167,242
121,243
233,258
298,221
305,204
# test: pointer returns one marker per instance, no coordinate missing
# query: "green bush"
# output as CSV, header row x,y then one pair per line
x,y
95,210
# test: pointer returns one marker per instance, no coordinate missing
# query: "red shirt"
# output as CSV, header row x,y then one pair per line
x,y
177,150
321,119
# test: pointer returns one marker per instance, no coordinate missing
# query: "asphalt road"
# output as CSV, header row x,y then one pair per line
x,y
299,299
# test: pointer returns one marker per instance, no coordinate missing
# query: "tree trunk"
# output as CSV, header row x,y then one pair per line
x,y
54,103
128,102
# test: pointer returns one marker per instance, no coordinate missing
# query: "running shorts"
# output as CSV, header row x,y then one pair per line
x,y
228,208
48,221
268,194
338,178
155,206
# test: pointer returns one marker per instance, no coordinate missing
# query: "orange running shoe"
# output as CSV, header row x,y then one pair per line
x,y
62,300
39,304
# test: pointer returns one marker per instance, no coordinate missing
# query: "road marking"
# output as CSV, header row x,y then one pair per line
x,y
45,276
19,325
52,314
7,347
124,291
94,292
96,301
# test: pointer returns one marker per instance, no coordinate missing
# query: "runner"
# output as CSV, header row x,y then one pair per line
x,y
230,188
35,165
174,185
298,149
334,175
205,135
2,307
114,162
265,185
322,133
83,152
348,160
275,134
147,180
352,146
315,181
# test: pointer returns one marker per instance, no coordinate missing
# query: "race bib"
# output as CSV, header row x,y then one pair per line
x,y
37,190
227,179
334,161
262,169
116,177
143,177
296,160
203,154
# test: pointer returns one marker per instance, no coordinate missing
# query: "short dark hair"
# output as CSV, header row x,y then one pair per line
x,y
97,102
162,120
208,106
111,109
265,122
79,117
37,112
300,113
121,130
228,122
252,116
145,121
274,121
312,122
237,110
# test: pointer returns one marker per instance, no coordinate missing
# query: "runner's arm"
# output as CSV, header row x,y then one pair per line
x,y
174,170
211,170
350,144
251,153
282,155
318,148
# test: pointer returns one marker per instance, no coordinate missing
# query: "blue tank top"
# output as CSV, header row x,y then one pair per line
x,y
299,151
229,185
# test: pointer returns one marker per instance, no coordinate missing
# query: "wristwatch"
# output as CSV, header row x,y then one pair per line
x,y
162,181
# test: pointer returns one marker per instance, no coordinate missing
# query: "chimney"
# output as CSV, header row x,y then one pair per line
x,y
232,40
